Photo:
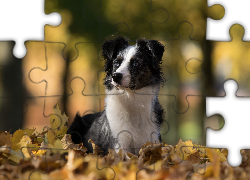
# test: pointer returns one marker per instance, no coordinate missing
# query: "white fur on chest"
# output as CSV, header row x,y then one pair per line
x,y
133,114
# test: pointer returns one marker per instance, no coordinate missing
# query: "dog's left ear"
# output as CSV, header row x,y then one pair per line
x,y
110,50
151,47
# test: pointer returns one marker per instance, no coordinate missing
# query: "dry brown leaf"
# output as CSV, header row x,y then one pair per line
x,y
131,156
96,149
167,150
5,139
68,143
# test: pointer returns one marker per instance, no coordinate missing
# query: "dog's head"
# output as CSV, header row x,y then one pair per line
x,y
132,67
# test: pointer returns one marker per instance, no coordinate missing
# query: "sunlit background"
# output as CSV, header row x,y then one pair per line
x,y
66,68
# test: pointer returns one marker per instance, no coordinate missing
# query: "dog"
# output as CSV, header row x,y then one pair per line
x,y
132,114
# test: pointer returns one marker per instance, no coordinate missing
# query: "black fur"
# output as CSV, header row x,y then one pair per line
x,y
92,126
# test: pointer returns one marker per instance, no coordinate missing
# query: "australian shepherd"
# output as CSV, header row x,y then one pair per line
x,y
132,114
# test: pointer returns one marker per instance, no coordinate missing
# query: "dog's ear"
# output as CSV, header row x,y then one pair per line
x,y
152,47
111,48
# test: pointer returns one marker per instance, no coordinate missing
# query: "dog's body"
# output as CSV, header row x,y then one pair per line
x,y
132,114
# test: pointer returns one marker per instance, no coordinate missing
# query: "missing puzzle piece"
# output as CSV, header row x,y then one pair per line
x,y
27,24
235,110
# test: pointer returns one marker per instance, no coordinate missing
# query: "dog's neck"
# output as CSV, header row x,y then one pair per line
x,y
132,111
132,101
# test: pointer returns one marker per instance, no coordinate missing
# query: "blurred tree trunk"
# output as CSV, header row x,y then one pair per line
x,y
207,68
65,81
12,90
209,79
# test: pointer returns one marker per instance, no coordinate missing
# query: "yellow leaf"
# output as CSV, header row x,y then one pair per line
x,y
23,146
33,147
183,150
221,155
58,122
29,132
51,137
63,131
214,153
201,148
17,136
39,152
57,147
38,139
189,143
215,157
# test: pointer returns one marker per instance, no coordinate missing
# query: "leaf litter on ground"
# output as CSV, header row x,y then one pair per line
x,y
51,154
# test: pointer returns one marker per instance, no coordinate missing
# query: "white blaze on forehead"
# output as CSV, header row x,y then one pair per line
x,y
127,55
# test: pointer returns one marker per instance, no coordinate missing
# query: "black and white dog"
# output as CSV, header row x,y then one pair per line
x,y
132,114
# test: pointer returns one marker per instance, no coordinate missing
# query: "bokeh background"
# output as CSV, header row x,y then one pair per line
x,y
67,67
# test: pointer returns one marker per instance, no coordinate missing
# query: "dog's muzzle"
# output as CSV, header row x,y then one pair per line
x,y
117,78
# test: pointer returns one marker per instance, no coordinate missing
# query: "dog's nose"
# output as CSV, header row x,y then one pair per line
x,y
117,77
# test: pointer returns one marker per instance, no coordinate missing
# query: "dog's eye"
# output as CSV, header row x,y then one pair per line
x,y
135,64
117,64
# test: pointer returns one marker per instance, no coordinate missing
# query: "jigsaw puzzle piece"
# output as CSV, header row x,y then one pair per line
x,y
41,108
176,163
186,125
230,60
232,108
40,60
15,150
29,26
213,164
52,164
186,54
178,12
12,161
193,158
215,12
149,154
235,13
10,158
53,147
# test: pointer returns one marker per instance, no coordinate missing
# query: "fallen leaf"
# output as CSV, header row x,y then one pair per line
x,y
5,139
58,122
18,135
183,150
57,147
51,137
